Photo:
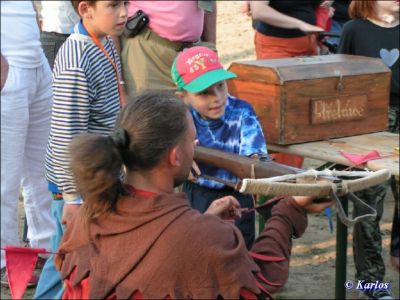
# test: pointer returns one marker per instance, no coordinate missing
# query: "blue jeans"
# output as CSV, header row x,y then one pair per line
x,y
50,285
336,28
200,198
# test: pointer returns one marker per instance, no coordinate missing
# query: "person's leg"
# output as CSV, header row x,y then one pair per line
x,y
146,64
14,125
268,47
335,28
25,231
247,222
51,42
367,240
395,236
50,285
199,197
37,198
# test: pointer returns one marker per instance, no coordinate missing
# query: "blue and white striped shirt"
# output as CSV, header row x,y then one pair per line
x,y
86,99
237,131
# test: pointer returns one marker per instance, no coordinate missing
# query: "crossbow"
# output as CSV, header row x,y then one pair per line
x,y
260,176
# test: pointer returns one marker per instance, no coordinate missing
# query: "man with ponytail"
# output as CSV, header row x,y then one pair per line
x,y
87,98
139,239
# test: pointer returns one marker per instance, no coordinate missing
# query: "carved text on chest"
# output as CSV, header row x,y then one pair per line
x,y
336,109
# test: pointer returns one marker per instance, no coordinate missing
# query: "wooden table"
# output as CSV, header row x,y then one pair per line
x,y
328,151
384,142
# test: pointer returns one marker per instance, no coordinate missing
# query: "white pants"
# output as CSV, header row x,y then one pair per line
x,y
26,102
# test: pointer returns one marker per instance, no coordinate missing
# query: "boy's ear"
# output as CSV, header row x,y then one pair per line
x,y
84,10
182,95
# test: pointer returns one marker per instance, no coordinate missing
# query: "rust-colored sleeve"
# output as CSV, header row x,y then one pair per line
x,y
272,249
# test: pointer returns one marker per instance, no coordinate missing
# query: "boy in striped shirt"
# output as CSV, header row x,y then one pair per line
x,y
87,98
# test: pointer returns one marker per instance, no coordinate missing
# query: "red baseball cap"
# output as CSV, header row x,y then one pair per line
x,y
197,68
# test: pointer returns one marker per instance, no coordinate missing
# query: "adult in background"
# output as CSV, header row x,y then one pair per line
x,y
57,21
374,32
174,25
26,100
340,17
283,30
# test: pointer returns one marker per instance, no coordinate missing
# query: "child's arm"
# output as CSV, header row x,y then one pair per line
x,y
262,11
70,117
252,141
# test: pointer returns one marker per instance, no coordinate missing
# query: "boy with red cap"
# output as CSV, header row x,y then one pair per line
x,y
222,122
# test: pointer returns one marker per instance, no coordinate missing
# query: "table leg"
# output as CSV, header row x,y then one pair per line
x,y
341,255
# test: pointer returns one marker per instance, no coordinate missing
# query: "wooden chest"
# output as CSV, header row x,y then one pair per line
x,y
314,98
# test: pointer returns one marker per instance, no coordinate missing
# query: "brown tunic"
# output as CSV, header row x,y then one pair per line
x,y
161,247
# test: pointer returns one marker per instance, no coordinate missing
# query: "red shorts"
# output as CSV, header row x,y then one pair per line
x,y
276,47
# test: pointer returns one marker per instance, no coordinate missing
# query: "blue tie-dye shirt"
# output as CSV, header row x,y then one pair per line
x,y
237,131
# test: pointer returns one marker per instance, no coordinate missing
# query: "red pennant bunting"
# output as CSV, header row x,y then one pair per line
x,y
357,159
20,263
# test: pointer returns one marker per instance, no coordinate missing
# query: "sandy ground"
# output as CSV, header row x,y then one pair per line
x,y
312,267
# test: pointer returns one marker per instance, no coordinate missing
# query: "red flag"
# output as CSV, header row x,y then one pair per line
x,y
357,159
20,264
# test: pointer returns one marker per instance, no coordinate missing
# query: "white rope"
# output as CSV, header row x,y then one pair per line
x,y
315,174
277,185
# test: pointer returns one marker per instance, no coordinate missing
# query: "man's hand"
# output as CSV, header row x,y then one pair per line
x,y
226,208
194,172
4,71
245,8
310,206
68,211
331,12
327,3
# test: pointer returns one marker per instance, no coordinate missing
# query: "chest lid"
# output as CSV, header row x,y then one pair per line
x,y
279,71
